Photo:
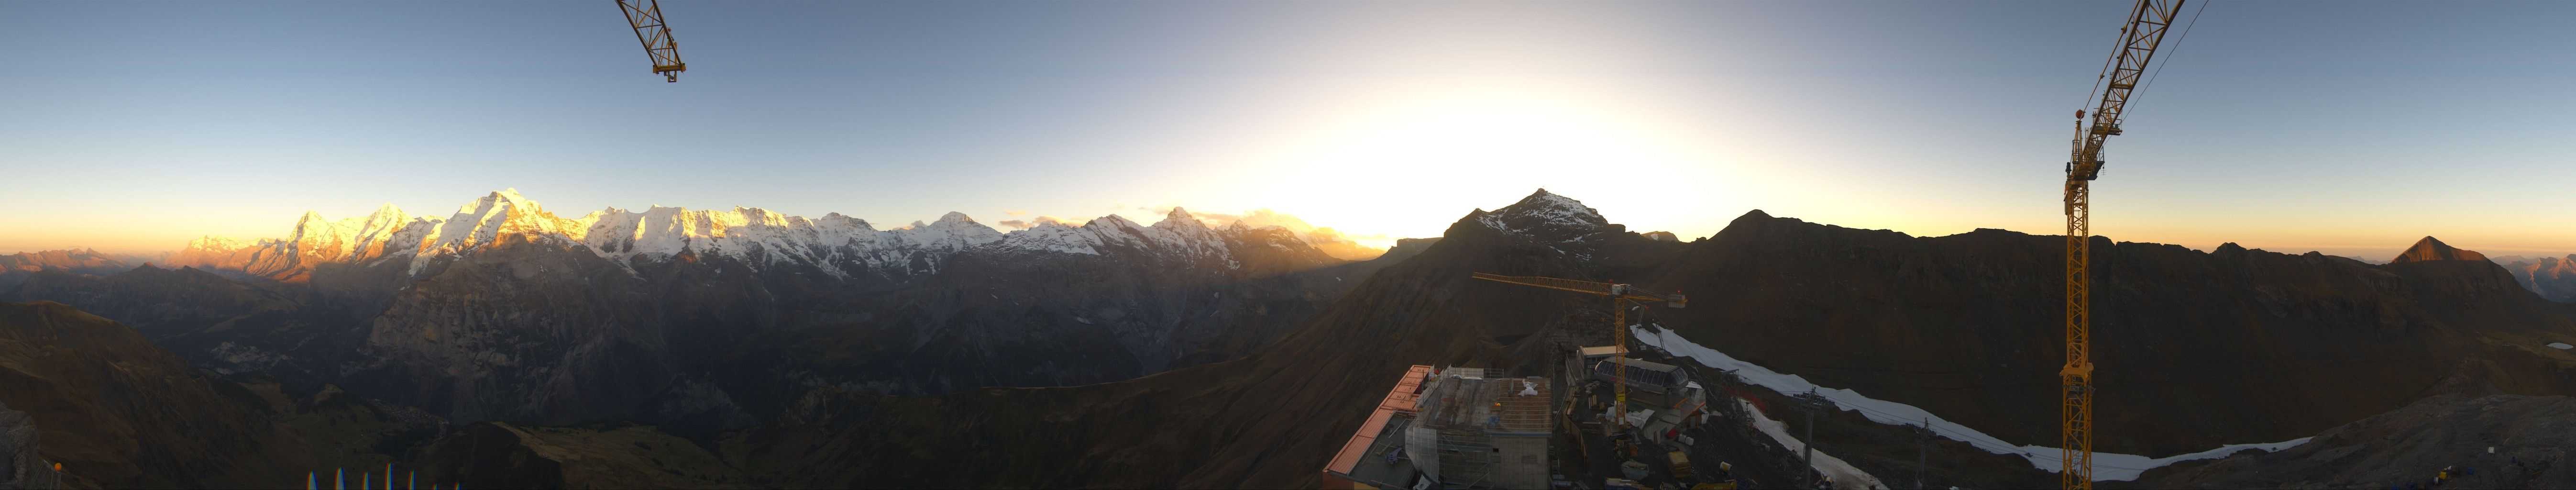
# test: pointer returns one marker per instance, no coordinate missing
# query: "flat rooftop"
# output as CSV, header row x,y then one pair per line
x,y
1463,399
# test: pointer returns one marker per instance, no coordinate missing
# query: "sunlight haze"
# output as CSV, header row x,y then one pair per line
x,y
2352,128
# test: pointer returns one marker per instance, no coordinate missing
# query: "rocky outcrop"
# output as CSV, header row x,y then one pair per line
x,y
20,464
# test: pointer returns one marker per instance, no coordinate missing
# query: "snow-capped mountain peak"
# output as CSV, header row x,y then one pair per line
x,y
1549,204
954,218
1180,217
1547,216
758,238
211,242
954,231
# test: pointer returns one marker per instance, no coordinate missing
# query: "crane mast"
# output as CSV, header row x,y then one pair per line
x,y
2148,21
1621,295
646,17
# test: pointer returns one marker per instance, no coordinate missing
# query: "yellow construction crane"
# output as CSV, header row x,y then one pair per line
x,y
1620,296
2147,23
646,18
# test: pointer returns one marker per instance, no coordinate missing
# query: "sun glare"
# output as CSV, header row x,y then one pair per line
x,y
1435,159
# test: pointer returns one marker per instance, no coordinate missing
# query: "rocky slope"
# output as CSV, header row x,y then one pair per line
x,y
119,412
2506,441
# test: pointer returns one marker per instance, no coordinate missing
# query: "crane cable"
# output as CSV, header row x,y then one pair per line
x,y
2090,94
2169,54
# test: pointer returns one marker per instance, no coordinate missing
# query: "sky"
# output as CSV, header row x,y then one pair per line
x,y
2352,128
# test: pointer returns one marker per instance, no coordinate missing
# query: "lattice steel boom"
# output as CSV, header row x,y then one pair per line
x,y
2148,21
646,18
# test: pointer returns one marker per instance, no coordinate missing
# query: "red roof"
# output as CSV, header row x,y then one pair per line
x,y
1404,397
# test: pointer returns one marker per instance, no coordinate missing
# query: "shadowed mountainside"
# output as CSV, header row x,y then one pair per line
x,y
119,412
2198,349
2195,350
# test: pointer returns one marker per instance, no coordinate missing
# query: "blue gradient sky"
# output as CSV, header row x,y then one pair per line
x,y
2348,127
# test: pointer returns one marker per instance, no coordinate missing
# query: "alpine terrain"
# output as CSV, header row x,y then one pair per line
x,y
506,346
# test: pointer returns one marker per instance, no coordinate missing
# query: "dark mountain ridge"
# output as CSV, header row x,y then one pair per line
x,y
2197,349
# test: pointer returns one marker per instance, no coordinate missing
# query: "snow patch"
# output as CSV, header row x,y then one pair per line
x,y
1841,471
2106,466
2561,346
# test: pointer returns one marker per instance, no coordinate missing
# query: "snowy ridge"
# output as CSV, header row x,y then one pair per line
x,y
1842,472
761,237
835,244
2106,466
1178,235
314,240
1052,237
1545,214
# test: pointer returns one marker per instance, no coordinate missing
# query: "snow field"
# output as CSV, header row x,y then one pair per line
x,y
2106,466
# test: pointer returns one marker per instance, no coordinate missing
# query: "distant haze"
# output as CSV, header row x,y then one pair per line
x,y
2348,128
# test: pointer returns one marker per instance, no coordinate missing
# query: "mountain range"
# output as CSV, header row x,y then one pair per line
x,y
706,319
2197,350
15,268
506,346
2552,277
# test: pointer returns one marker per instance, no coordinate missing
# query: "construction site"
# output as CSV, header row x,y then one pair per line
x,y
1625,422
1833,263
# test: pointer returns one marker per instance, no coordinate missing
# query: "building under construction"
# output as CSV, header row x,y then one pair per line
x,y
1452,428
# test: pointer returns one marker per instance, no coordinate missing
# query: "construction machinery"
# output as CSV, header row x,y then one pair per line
x,y
646,17
1680,465
2148,21
1621,296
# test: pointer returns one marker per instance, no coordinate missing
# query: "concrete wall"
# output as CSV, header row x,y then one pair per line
x,y
1524,462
